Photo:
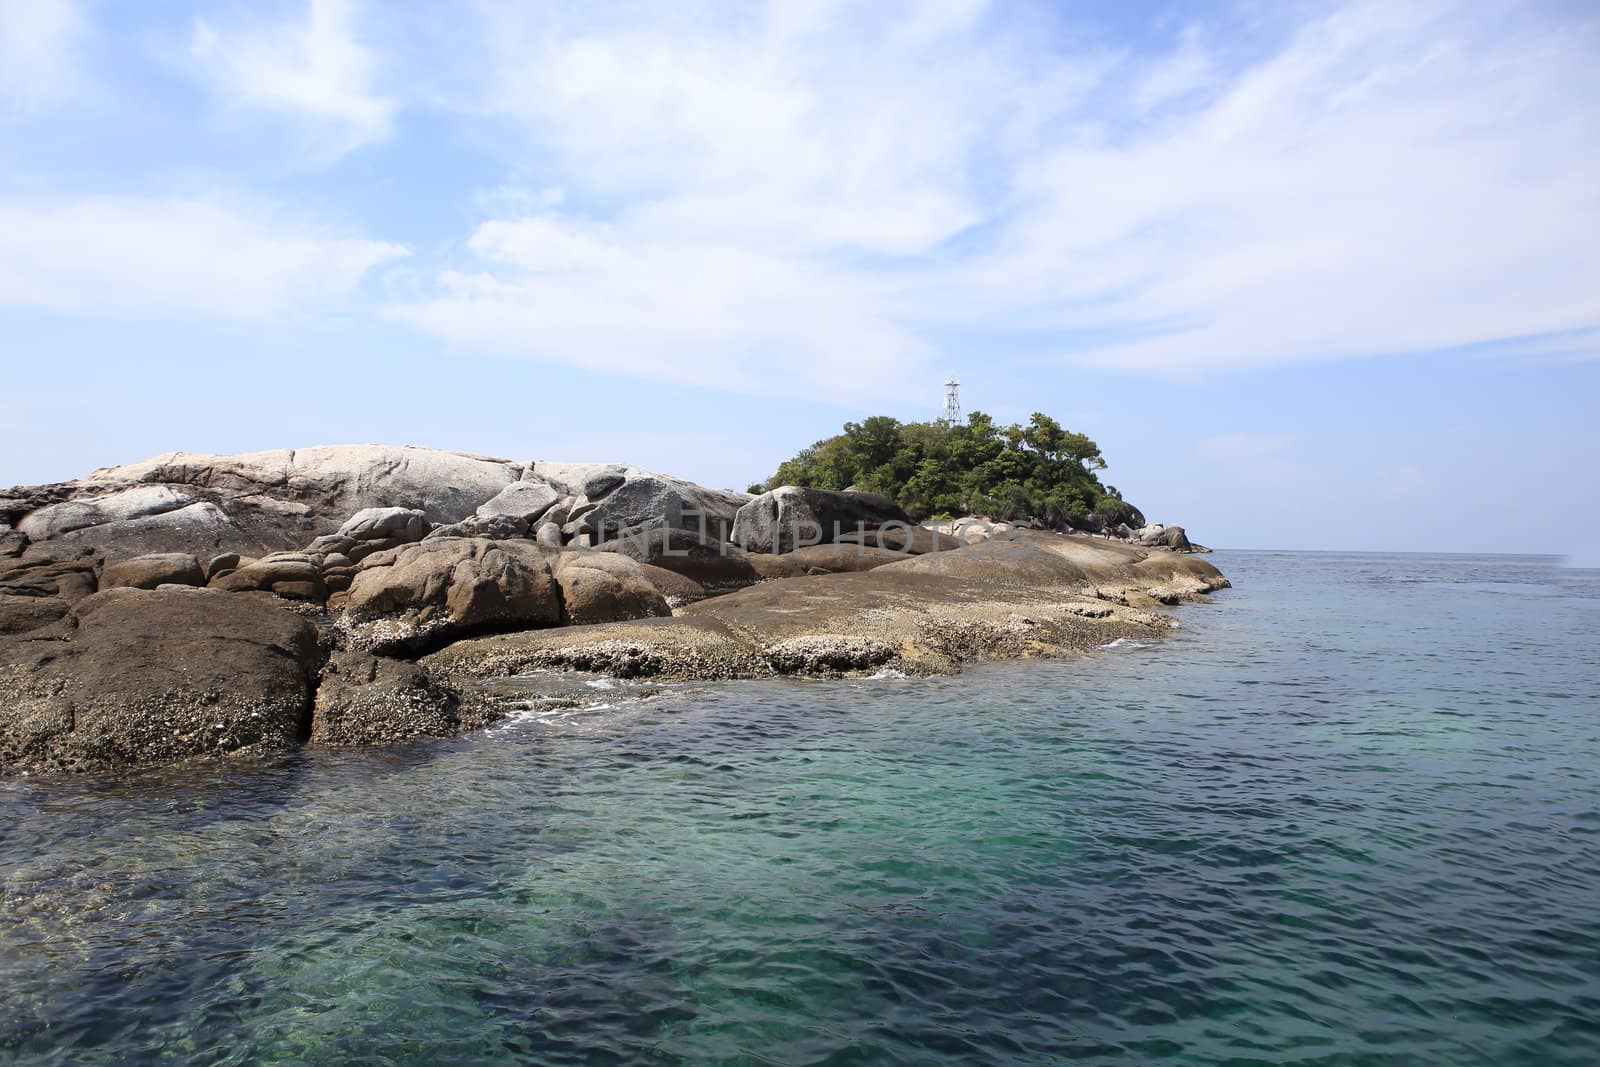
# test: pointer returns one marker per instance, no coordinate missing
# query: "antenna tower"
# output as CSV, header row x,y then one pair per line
x,y
952,401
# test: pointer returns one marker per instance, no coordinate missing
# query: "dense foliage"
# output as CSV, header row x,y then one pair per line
x,y
936,469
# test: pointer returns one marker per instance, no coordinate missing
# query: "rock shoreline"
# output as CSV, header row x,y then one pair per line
x,y
200,606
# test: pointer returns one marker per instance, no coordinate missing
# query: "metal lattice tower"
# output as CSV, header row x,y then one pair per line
x,y
952,401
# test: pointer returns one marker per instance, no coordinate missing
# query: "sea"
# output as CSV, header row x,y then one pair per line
x,y
1348,813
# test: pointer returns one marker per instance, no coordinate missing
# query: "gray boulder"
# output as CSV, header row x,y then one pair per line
x,y
613,498
524,502
782,519
402,525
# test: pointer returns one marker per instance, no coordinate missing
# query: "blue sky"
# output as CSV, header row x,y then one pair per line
x,y
1314,275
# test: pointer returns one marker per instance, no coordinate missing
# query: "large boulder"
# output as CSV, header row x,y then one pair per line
x,y
791,517
369,700
147,572
612,498
607,587
420,596
148,676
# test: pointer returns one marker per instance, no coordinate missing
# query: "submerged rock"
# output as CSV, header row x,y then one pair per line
x,y
368,700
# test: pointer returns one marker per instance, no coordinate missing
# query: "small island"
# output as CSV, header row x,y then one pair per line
x,y
194,606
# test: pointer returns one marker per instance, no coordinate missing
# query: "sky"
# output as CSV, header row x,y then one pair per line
x,y
1314,276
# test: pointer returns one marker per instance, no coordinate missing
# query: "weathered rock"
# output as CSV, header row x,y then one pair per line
x,y
549,535
838,558
12,543
227,561
714,564
1172,537
122,505
20,614
259,502
523,502
606,587
422,595
790,516
658,647
147,572
152,676
912,541
770,568
495,528
827,654
369,700
293,575
200,527
39,586
640,500
398,525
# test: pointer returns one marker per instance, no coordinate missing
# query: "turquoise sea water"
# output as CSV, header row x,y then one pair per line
x,y
1349,814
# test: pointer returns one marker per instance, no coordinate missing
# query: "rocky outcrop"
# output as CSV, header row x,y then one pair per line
x,y
408,599
368,700
149,676
326,569
1037,594
783,519
254,503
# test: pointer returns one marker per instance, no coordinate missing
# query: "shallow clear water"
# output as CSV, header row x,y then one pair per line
x,y
1349,814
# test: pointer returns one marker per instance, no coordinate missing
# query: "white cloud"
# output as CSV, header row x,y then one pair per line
x,y
704,312
1388,182
312,72
164,257
40,64
828,190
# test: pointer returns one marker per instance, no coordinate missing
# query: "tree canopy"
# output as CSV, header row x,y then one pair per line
x,y
936,469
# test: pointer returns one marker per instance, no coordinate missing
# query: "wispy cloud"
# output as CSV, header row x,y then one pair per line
x,y
805,188
40,60
312,71
174,257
